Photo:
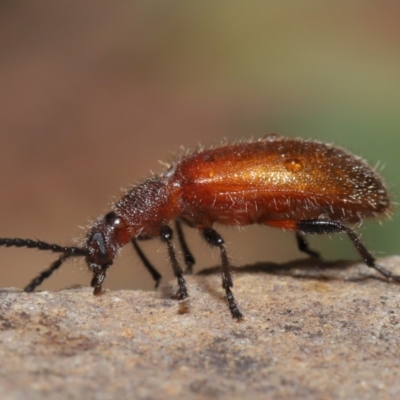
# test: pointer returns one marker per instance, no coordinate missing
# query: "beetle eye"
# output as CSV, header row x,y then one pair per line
x,y
111,218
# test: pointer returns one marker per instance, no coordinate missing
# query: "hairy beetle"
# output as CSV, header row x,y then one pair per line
x,y
305,186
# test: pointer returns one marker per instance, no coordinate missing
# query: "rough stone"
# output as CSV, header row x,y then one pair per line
x,y
309,332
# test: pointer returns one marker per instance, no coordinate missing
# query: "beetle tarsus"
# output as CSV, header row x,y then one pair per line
x,y
236,314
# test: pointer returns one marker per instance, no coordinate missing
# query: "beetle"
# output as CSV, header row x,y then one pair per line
x,y
305,186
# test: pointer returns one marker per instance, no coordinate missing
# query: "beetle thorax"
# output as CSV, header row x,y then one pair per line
x,y
146,207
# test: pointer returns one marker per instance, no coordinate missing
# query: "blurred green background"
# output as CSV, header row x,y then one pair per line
x,y
94,93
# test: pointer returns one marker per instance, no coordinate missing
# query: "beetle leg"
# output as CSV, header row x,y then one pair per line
x,y
166,236
187,255
315,226
214,239
303,246
149,266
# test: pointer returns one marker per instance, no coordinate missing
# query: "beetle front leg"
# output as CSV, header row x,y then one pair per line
x,y
98,278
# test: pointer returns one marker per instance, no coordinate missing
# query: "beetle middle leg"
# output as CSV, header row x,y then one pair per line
x,y
214,239
166,234
316,226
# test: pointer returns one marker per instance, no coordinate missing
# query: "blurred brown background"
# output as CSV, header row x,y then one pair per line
x,y
94,93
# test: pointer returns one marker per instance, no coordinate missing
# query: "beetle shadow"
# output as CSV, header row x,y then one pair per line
x,y
311,268
307,269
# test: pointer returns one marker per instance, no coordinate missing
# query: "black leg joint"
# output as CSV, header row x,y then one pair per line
x,y
166,233
212,237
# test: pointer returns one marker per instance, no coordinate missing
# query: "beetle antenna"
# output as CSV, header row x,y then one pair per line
x,y
37,244
55,248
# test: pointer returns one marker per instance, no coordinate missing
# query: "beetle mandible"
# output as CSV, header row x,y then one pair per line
x,y
305,186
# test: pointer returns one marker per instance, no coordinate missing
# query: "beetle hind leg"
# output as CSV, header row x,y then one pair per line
x,y
315,226
303,246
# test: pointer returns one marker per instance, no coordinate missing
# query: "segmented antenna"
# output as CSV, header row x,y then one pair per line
x,y
55,248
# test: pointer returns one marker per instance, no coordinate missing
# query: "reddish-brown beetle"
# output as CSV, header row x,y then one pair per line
x,y
305,186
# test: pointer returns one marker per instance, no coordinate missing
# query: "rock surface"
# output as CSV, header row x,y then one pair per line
x,y
309,332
